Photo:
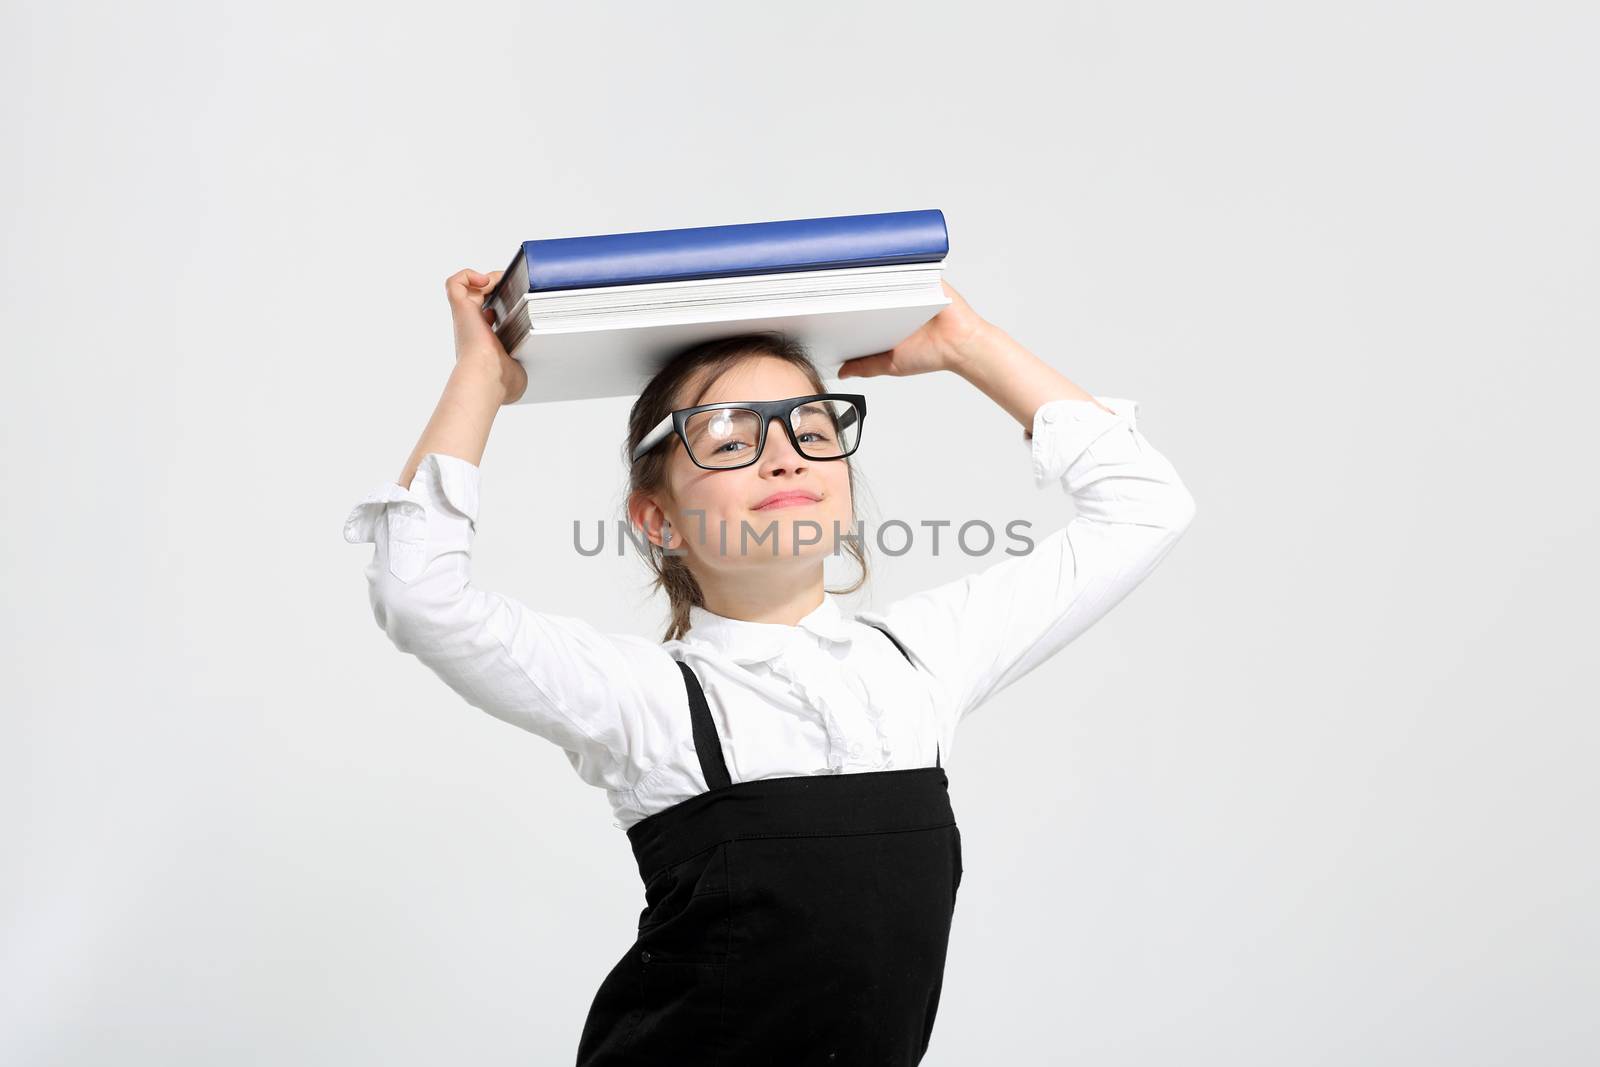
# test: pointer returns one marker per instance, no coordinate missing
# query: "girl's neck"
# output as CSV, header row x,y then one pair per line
x,y
784,599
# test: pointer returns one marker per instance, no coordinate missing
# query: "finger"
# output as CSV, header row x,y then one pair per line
x,y
867,366
460,285
490,280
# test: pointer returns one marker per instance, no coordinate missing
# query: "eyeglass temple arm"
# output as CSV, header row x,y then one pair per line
x,y
654,437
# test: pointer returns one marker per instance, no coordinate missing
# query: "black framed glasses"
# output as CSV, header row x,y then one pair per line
x,y
733,434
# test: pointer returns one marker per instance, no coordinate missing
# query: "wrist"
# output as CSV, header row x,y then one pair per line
x,y
982,346
481,377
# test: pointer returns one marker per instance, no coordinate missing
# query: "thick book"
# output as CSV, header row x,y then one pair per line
x,y
598,316
830,243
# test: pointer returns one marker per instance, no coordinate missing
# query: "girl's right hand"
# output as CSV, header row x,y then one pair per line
x,y
476,343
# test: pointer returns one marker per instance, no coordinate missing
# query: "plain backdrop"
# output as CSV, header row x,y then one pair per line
x,y
1321,791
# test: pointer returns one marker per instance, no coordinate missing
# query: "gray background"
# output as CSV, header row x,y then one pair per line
x,y
1322,791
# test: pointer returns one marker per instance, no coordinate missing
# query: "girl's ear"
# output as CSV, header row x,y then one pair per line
x,y
647,516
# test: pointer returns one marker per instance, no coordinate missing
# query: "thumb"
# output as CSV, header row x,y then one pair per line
x,y
867,366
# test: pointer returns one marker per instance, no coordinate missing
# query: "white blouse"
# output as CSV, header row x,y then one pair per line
x,y
827,696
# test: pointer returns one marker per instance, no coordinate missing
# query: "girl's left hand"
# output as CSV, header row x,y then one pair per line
x,y
941,343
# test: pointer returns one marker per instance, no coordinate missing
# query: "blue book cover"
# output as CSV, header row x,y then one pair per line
x,y
831,243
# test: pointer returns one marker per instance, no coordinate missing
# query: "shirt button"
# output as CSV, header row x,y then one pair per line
x,y
645,955
855,750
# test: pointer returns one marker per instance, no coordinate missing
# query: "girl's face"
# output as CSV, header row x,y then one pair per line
x,y
791,532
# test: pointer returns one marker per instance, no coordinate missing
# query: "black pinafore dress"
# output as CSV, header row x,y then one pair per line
x,y
799,920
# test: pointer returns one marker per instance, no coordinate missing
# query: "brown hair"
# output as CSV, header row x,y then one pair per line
x,y
649,475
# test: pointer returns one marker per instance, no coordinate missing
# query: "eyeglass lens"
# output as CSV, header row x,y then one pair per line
x,y
727,437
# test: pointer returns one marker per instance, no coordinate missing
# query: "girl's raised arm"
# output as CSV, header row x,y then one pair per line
x,y
484,379
978,634
591,693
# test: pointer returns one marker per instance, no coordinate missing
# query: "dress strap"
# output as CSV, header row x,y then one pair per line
x,y
937,758
706,743
893,640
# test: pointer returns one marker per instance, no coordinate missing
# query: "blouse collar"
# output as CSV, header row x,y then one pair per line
x,y
751,642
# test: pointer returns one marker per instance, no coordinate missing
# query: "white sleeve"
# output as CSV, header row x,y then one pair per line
x,y
603,698
978,634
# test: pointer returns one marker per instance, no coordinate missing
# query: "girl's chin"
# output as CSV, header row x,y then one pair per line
x,y
781,546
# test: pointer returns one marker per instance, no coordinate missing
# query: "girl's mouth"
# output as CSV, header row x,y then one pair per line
x,y
785,500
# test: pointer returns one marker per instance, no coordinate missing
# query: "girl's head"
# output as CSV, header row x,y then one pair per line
x,y
715,517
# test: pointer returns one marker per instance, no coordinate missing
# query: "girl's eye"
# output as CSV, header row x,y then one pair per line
x,y
820,435
724,447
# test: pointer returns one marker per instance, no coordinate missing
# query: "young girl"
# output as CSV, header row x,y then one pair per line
x,y
776,763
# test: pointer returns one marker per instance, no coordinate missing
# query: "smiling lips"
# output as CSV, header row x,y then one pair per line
x,y
786,499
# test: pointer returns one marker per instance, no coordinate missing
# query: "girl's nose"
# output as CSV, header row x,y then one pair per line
x,y
779,450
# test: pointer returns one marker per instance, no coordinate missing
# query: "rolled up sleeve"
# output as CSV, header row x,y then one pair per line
x,y
437,514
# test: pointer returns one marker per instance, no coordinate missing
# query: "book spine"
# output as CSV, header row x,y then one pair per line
x,y
509,289
832,243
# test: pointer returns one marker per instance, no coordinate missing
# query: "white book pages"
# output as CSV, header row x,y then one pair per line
x,y
613,359
893,277
662,302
